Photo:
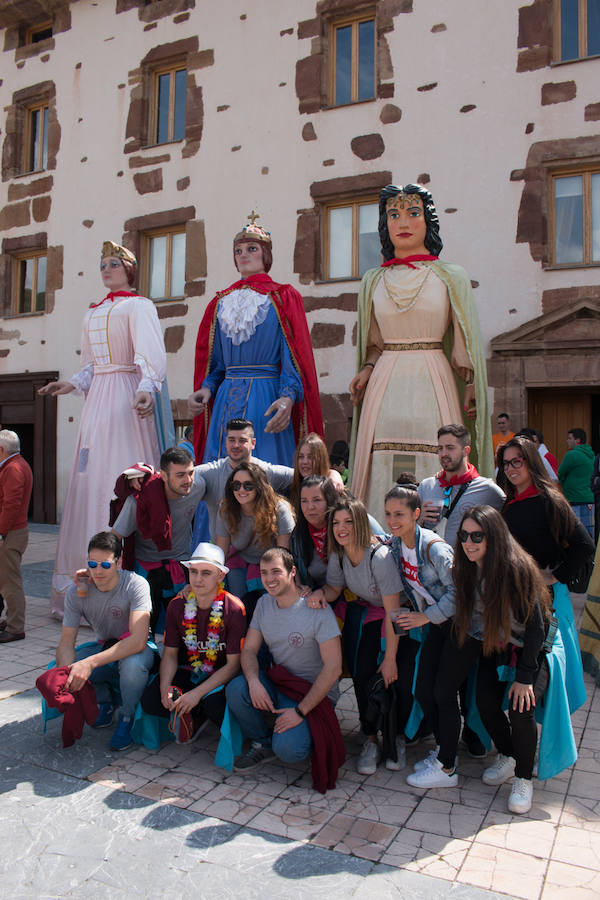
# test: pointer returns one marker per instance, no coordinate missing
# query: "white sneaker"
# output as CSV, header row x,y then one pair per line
x,y
432,775
521,796
400,762
370,756
500,771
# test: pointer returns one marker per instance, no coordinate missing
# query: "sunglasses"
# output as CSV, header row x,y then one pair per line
x,y
476,536
92,564
516,463
243,485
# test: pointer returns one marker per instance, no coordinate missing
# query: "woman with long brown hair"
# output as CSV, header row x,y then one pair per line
x,y
251,519
502,610
311,458
542,521
308,543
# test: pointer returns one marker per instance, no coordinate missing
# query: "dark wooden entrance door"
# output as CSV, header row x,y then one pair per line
x,y
34,420
554,411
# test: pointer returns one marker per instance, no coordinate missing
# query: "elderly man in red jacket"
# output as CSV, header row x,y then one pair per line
x,y
16,481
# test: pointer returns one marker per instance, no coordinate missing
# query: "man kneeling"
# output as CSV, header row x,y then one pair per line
x,y
204,632
116,604
304,641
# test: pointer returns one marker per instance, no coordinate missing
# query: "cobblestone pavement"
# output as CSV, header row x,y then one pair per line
x,y
90,822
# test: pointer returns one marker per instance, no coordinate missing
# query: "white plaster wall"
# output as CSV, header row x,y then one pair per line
x,y
468,156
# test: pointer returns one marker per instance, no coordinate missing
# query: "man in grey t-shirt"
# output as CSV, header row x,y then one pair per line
x,y
459,486
240,442
116,604
307,643
183,490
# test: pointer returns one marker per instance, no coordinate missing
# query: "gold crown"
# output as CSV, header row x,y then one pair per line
x,y
403,200
109,248
253,232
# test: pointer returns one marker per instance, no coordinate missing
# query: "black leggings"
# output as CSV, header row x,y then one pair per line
x,y
367,665
514,736
210,707
443,666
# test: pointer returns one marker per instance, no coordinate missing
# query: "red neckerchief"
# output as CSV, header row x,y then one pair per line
x,y
469,475
407,260
531,491
111,296
318,536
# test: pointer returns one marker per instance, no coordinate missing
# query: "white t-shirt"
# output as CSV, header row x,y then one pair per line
x,y
410,570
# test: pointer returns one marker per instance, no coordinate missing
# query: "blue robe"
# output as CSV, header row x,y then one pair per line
x,y
245,379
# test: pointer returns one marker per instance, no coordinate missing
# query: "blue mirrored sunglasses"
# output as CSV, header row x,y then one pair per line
x,y
92,564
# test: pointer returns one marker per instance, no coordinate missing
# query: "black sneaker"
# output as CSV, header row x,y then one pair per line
x,y
255,755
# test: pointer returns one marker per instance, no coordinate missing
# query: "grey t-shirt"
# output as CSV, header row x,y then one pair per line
x,y
246,541
216,473
376,576
293,636
182,513
480,492
108,611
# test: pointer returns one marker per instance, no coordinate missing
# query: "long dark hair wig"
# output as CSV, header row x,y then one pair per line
x,y
561,516
509,581
330,495
432,241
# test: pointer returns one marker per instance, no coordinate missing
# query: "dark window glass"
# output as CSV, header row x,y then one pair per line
x,y
568,193
366,60
593,27
45,139
41,35
40,294
343,65
569,29
179,118
34,138
25,285
162,125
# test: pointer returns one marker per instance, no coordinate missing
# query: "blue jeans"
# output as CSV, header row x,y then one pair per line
x,y
128,676
291,746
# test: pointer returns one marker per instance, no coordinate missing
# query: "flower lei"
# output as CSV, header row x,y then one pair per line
x,y
203,661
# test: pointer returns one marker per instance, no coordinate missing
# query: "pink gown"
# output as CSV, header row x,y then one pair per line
x,y
122,351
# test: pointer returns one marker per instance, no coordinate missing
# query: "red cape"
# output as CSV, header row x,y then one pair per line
x,y
289,306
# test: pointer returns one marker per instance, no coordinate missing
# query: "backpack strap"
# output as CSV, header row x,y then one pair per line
x,y
427,548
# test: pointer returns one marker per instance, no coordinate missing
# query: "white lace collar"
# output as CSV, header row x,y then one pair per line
x,y
241,312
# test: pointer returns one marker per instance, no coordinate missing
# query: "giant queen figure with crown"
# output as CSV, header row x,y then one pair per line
x,y
254,359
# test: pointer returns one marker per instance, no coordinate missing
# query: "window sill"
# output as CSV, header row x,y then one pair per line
x,y
577,59
179,299
29,174
344,280
164,144
559,267
28,315
351,103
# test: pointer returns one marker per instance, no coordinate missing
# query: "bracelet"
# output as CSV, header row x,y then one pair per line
x,y
299,711
370,365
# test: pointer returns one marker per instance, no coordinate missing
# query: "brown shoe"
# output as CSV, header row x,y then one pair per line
x,y
6,637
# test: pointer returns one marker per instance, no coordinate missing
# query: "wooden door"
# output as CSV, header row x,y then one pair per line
x,y
554,412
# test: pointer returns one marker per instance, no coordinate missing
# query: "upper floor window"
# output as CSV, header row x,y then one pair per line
x,y
164,257
352,60
578,28
577,218
38,33
351,238
36,139
169,104
29,284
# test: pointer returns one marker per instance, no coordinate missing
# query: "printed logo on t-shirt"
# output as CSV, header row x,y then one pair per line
x,y
295,639
409,571
115,612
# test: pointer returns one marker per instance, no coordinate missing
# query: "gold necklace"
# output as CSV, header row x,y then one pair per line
x,y
403,297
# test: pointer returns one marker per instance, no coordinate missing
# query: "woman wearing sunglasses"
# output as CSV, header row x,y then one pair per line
x,y
502,610
541,520
251,519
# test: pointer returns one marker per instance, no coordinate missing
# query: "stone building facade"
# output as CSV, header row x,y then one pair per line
x,y
162,123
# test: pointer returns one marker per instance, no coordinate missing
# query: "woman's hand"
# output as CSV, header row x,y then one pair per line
x,y
358,384
143,404
282,407
469,401
389,671
316,600
57,387
198,400
522,696
408,619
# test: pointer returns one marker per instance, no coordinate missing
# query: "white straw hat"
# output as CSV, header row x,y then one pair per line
x,y
208,553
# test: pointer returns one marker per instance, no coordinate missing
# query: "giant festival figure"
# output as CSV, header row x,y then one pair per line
x,y
125,417
421,360
254,359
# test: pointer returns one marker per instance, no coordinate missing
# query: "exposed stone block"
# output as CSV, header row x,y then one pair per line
x,y
428,87
308,132
40,208
390,113
326,334
15,215
592,112
196,262
33,189
558,92
174,336
368,146
183,183
148,182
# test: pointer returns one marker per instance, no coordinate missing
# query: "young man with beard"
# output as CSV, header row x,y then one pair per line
x,y
307,643
204,634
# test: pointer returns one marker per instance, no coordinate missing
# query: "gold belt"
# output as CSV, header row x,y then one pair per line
x,y
420,345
